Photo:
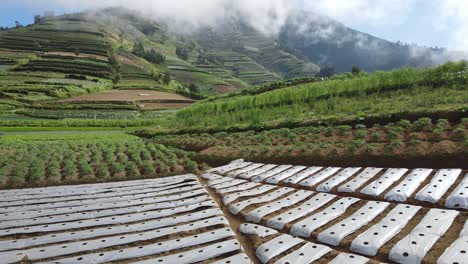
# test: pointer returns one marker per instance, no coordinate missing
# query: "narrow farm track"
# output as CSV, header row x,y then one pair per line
x,y
335,215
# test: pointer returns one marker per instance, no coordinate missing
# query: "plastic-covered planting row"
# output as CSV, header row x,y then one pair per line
x,y
187,217
283,248
72,203
180,224
63,249
103,221
329,219
91,188
161,247
394,184
142,202
150,208
95,190
135,191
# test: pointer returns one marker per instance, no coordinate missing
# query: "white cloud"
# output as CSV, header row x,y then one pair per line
x,y
452,15
377,12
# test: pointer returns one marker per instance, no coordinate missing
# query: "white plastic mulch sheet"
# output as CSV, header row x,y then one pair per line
x,y
458,250
211,176
408,186
270,173
459,197
302,175
190,217
151,249
413,247
200,254
257,230
255,172
305,227
284,174
234,165
221,180
227,184
378,186
236,188
301,210
306,254
99,243
235,208
438,186
236,173
337,179
334,234
257,214
173,219
316,178
250,192
359,180
346,258
275,247
240,258
370,241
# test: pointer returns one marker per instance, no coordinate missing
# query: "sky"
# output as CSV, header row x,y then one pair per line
x,y
442,23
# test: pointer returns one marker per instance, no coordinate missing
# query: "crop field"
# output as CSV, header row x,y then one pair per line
x,y
346,215
168,220
55,159
144,99
423,142
122,141
244,212
394,93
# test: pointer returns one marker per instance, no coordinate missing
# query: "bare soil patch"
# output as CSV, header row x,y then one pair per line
x,y
147,99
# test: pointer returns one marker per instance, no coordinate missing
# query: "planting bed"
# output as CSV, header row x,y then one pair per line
x,y
242,212
306,220
176,222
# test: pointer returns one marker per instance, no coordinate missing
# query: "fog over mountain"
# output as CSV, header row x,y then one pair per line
x,y
307,29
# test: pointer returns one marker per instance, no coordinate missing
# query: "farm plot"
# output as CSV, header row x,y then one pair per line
x,y
145,99
293,223
175,222
443,188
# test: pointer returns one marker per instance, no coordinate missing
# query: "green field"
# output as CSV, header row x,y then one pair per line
x,y
29,160
381,94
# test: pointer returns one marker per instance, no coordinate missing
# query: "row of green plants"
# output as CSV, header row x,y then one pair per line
x,y
404,131
82,123
380,93
43,163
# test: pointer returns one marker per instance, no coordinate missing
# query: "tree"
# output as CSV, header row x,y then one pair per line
x,y
326,72
355,70
236,71
37,19
182,53
18,24
155,57
193,88
77,52
167,78
139,49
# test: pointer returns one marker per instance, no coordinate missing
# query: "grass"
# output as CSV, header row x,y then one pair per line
x,y
375,95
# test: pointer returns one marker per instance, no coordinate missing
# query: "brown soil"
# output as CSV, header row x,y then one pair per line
x,y
81,55
132,96
234,222
128,61
425,158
